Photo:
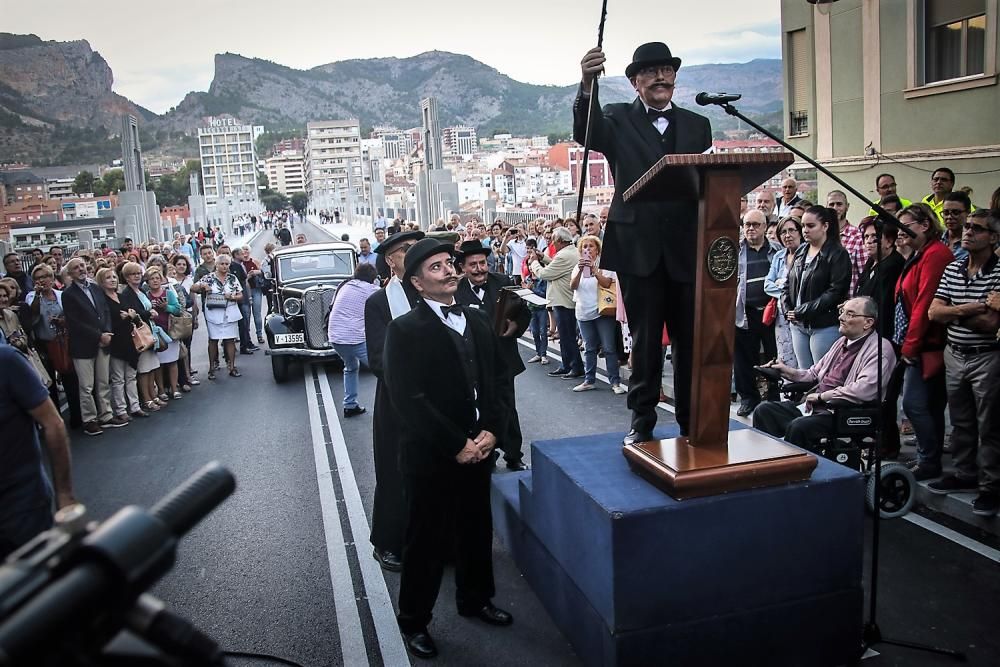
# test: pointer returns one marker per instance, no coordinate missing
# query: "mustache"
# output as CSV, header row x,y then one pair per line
x,y
663,84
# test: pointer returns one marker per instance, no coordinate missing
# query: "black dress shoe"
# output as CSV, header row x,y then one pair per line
x,y
420,644
517,466
635,437
490,614
247,352
559,372
573,376
253,348
355,411
388,560
746,407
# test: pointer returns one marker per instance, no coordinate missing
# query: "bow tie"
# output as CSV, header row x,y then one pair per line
x,y
654,114
455,309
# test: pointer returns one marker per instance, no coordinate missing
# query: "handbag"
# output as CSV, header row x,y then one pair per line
x,y
163,340
58,351
215,301
607,301
770,312
36,363
180,327
142,337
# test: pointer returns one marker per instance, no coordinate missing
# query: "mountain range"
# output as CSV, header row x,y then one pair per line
x,y
56,98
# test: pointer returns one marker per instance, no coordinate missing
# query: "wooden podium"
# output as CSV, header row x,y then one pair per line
x,y
713,459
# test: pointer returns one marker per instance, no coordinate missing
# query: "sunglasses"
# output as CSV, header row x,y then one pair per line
x,y
970,227
952,212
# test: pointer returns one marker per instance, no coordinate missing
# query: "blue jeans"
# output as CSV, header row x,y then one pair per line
x,y
599,333
540,331
256,297
924,402
568,350
811,344
353,356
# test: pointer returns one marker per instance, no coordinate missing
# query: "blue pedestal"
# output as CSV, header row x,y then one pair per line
x,y
769,576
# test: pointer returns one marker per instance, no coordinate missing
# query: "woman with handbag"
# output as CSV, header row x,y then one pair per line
x,y
124,357
222,314
790,237
48,328
595,314
165,305
182,326
15,335
133,297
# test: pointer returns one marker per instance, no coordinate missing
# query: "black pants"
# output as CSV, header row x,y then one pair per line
x,y
444,509
650,302
244,327
747,355
389,505
510,439
783,420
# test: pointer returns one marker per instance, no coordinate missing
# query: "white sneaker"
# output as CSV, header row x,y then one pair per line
x,y
534,359
544,361
618,389
584,386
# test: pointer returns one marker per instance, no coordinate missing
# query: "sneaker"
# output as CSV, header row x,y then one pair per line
x,y
951,484
544,361
618,389
92,428
986,504
115,422
535,359
584,386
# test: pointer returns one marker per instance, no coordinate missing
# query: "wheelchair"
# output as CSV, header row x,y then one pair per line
x,y
852,442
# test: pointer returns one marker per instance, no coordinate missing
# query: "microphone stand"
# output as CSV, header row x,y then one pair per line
x,y
872,633
591,104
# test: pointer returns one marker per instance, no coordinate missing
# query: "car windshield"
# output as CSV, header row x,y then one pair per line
x,y
320,265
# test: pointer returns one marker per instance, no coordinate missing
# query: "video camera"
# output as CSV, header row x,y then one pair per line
x,y
71,590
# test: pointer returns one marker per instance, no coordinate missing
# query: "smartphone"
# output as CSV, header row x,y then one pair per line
x,y
586,273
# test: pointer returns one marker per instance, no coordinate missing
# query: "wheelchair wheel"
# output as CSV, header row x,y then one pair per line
x,y
898,490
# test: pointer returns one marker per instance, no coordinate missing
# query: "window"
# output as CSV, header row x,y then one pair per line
x,y
954,39
798,84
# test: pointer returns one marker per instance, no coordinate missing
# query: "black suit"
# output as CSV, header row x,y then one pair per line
x,y
438,418
389,508
86,320
509,439
651,247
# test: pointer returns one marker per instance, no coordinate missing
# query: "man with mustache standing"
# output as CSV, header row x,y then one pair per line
x,y
649,244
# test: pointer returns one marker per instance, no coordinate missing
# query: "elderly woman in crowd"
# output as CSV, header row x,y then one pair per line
x,y
165,304
819,280
921,341
222,314
48,328
124,357
598,330
179,275
133,297
789,231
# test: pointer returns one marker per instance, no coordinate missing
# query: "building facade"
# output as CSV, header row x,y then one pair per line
x,y
894,86
286,173
229,162
459,141
333,163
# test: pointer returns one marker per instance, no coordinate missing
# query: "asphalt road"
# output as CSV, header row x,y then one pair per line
x,y
284,566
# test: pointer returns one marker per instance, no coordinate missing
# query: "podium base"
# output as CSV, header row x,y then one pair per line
x,y
749,460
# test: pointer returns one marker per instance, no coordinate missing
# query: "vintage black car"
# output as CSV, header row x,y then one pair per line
x,y
301,283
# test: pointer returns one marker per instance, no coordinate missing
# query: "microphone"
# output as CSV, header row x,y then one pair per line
x,y
704,99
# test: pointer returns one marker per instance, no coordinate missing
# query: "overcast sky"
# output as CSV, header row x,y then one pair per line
x,y
159,51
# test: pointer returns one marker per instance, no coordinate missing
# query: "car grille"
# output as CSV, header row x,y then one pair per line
x,y
315,306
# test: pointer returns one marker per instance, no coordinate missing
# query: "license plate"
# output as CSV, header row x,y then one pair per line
x,y
288,339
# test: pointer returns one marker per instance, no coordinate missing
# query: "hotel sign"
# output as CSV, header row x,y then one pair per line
x,y
223,126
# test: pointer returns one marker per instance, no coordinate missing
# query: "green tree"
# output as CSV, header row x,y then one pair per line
x,y
299,202
83,183
113,181
274,201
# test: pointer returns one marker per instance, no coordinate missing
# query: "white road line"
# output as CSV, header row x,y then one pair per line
x,y
352,641
954,536
384,617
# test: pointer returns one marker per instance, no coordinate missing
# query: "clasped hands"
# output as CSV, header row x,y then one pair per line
x,y
476,449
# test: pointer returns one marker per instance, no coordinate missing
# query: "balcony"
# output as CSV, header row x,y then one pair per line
x,y
798,123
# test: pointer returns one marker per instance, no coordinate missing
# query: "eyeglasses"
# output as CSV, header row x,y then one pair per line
x,y
654,70
941,179
869,237
790,230
850,314
970,227
952,212
404,247
751,224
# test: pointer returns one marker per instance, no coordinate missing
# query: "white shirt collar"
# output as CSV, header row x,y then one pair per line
x,y
670,105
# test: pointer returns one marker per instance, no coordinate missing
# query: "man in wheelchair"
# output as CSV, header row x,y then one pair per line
x,y
848,373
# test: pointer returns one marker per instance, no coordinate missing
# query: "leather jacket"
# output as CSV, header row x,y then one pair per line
x,y
816,290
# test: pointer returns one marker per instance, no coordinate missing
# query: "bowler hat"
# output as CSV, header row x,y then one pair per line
x,y
385,247
420,251
473,248
649,54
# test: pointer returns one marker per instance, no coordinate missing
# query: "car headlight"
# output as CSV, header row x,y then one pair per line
x,y
293,307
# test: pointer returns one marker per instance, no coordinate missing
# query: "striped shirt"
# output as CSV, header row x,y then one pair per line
x,y
854,244
956,288
347,315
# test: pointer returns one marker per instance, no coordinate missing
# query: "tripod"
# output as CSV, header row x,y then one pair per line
x,y
872,634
